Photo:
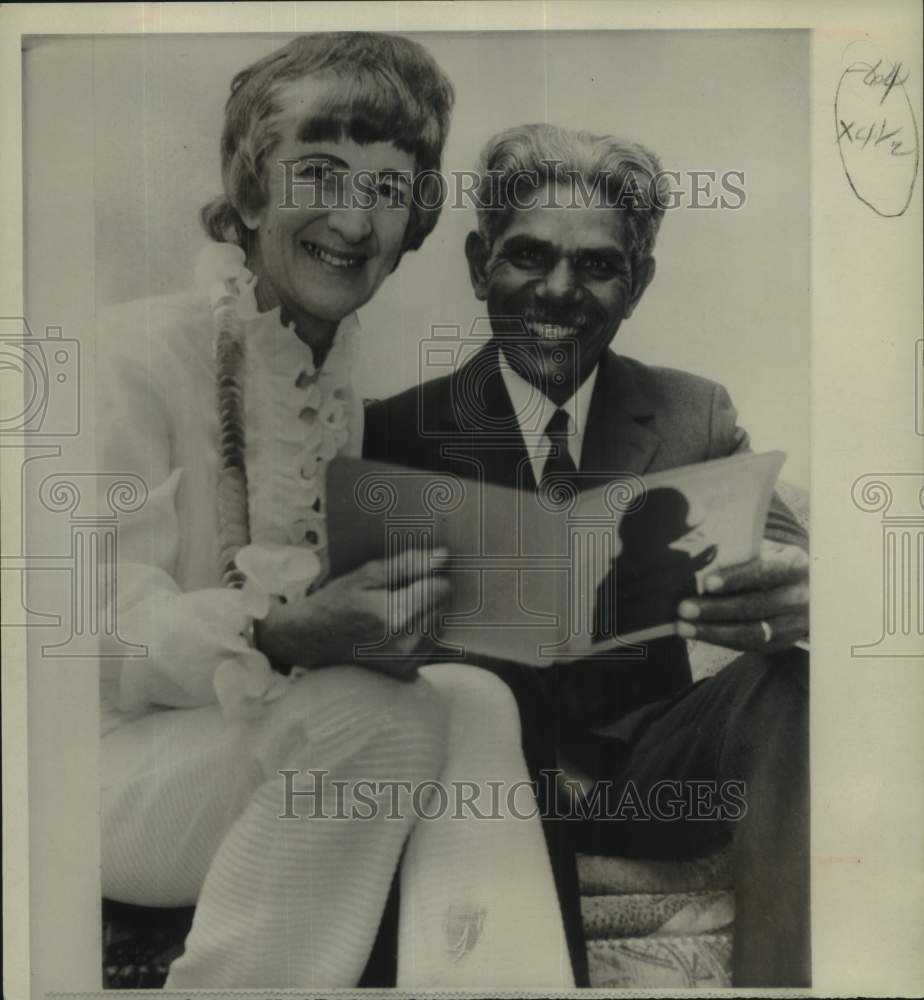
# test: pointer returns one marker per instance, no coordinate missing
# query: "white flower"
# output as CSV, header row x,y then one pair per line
x,y
269,569
311,441
219,264
328,449
312,396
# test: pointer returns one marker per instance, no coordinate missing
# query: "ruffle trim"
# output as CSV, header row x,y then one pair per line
x,y
297,421
297,418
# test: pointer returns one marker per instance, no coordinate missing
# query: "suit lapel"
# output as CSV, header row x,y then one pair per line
x,y
618,437
480,429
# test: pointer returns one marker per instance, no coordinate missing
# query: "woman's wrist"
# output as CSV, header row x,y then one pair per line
x,y
269,639
284,640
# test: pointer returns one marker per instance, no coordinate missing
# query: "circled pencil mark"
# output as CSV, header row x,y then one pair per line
x,y
877,135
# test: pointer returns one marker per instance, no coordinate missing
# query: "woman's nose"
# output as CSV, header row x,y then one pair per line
x,y
352,223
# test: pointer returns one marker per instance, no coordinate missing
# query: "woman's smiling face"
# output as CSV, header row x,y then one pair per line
x,y
333,224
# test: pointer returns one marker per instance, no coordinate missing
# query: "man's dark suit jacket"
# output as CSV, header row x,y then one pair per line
x,y
641,420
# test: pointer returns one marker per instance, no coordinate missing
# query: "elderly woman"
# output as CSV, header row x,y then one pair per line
x,y
228,752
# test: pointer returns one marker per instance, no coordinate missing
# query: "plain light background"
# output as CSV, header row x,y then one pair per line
x,y
731,296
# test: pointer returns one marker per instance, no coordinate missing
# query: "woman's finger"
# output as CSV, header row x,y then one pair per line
x,y
398,570
407,604
748,606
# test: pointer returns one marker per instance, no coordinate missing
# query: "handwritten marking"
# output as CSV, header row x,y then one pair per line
x,y
873,78
857,136
878,144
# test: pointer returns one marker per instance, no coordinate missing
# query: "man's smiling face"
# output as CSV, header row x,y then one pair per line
x,y
558,276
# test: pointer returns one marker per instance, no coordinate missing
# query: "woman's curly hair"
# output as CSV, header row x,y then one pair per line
x,y
389,89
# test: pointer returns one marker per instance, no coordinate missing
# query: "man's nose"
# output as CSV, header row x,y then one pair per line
x,y
560,283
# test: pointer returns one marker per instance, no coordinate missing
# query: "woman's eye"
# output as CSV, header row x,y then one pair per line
x,y
394,194
314,170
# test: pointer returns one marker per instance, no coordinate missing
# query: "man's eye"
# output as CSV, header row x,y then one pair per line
x,y
528,257
601,267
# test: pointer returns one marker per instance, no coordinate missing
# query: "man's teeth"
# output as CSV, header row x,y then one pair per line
x,y
334,259
549,332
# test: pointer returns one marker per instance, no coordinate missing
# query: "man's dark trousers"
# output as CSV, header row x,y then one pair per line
x,y
745,728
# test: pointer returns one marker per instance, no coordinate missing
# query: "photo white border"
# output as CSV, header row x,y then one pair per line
x,y
867,751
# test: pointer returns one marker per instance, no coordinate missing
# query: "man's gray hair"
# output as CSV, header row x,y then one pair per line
x,y
629,176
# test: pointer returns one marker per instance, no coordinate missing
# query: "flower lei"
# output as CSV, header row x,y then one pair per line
x,y
319,397
260,570
221,269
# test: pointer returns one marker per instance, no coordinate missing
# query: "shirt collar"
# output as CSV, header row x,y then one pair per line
x,y
523,397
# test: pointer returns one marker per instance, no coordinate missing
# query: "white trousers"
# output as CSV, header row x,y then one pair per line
x,y
192,807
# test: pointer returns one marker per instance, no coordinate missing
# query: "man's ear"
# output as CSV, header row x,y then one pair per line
x,y
642,277
477,252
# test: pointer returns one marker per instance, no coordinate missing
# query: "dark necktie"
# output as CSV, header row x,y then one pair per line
x,y
538,696
559,463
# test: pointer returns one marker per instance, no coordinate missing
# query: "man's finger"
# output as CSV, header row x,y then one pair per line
x,y
780,632
748,606
776,566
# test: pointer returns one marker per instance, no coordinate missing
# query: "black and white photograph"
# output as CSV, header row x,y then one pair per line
x,y
417,474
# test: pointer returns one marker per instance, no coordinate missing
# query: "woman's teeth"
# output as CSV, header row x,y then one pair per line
x,y
334,259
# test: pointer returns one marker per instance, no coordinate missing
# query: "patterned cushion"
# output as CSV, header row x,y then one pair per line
x,y
602,876
675,962
140,942
657,923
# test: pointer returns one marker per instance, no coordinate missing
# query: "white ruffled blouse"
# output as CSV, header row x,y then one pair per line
x,y
296,423
157,419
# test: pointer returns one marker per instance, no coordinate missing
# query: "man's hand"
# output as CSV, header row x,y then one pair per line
x,y
760,605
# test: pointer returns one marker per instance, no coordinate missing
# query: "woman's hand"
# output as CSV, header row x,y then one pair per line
x,y
387,603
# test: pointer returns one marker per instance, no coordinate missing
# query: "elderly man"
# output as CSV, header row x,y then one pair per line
x,y
562,256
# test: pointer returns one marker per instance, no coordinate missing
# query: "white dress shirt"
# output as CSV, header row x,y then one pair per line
x,y
533,410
